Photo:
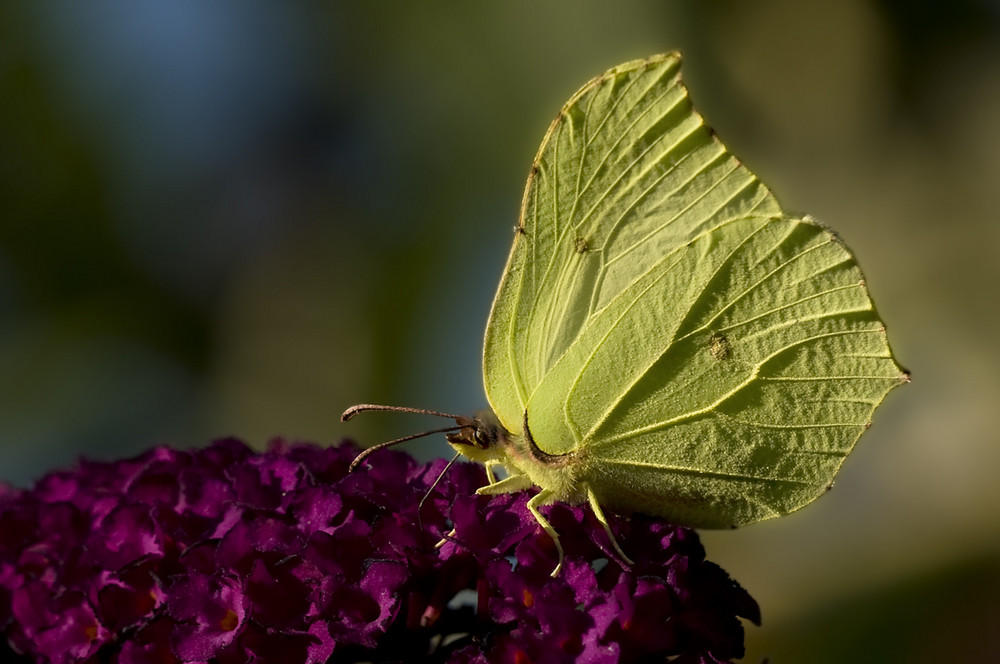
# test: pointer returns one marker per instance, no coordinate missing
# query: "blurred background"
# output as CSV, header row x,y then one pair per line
x,y
239,218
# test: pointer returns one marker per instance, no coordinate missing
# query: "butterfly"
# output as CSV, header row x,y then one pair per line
x,y
666,339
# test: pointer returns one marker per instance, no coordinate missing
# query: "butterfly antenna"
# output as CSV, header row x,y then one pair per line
x,y
368,407
389,443
460,421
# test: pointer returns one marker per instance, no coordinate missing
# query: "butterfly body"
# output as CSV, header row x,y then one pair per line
x,y
566,477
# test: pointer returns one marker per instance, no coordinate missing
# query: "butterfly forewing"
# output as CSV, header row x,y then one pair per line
x,y
627,173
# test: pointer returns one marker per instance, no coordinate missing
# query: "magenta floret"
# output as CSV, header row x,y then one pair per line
x,y
229,555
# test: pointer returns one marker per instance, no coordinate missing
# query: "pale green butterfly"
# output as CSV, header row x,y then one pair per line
x,y
666,339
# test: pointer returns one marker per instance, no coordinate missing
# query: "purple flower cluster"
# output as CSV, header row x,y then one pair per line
x,y
229,555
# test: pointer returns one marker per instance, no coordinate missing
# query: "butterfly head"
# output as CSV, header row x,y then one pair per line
x,y
479,438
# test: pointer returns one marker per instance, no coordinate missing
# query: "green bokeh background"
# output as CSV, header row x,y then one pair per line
x,y
238,218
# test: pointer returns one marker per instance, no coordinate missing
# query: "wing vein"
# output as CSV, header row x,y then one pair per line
x,y
710,408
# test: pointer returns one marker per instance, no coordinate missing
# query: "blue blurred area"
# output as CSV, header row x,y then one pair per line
x,y
151,152
180,103
239,218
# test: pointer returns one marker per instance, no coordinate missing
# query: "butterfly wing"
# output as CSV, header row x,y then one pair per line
x,y
709,358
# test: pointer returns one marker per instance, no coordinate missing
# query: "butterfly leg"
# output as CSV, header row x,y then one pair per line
x,y
599,513
490,475
509,484
520,483
539,499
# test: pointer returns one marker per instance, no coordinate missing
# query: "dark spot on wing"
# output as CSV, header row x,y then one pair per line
x,y
718,346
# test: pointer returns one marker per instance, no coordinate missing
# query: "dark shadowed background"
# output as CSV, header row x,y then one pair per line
x,y
239,218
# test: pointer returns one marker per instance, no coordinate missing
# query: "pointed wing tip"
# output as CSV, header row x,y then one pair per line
x,y
672,58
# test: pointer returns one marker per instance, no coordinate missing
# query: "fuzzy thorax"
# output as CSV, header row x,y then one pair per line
x,y
486,441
